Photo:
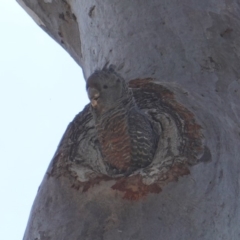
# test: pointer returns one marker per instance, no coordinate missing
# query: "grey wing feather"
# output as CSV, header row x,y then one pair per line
x,y
143,138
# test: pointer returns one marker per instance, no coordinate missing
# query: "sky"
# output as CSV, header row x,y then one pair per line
x,y
41,90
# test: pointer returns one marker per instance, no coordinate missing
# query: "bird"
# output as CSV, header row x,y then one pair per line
x,y
126,135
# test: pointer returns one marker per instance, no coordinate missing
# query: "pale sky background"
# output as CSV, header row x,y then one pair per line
x,y
41,90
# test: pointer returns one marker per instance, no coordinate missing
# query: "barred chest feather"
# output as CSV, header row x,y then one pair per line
x,y
127,140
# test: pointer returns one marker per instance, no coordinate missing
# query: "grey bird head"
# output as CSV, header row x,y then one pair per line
x,y
105,89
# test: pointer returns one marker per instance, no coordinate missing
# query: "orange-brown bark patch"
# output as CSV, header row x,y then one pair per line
x,y
133,187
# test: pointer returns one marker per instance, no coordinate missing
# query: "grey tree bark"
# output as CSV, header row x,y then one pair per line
x,y
193,49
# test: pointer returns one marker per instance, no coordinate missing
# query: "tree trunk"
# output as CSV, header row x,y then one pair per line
x,y
192,49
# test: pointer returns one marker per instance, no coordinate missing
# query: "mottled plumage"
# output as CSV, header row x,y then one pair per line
x,y
126,136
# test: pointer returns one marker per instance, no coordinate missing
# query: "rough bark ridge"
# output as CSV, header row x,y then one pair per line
x,y
191,48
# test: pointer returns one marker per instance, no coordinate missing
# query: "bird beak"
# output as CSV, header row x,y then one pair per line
x,y
93,95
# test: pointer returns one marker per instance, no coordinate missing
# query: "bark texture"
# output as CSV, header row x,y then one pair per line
x,y
191,48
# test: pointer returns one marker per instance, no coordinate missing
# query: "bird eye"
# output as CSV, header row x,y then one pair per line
x,y
105,86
